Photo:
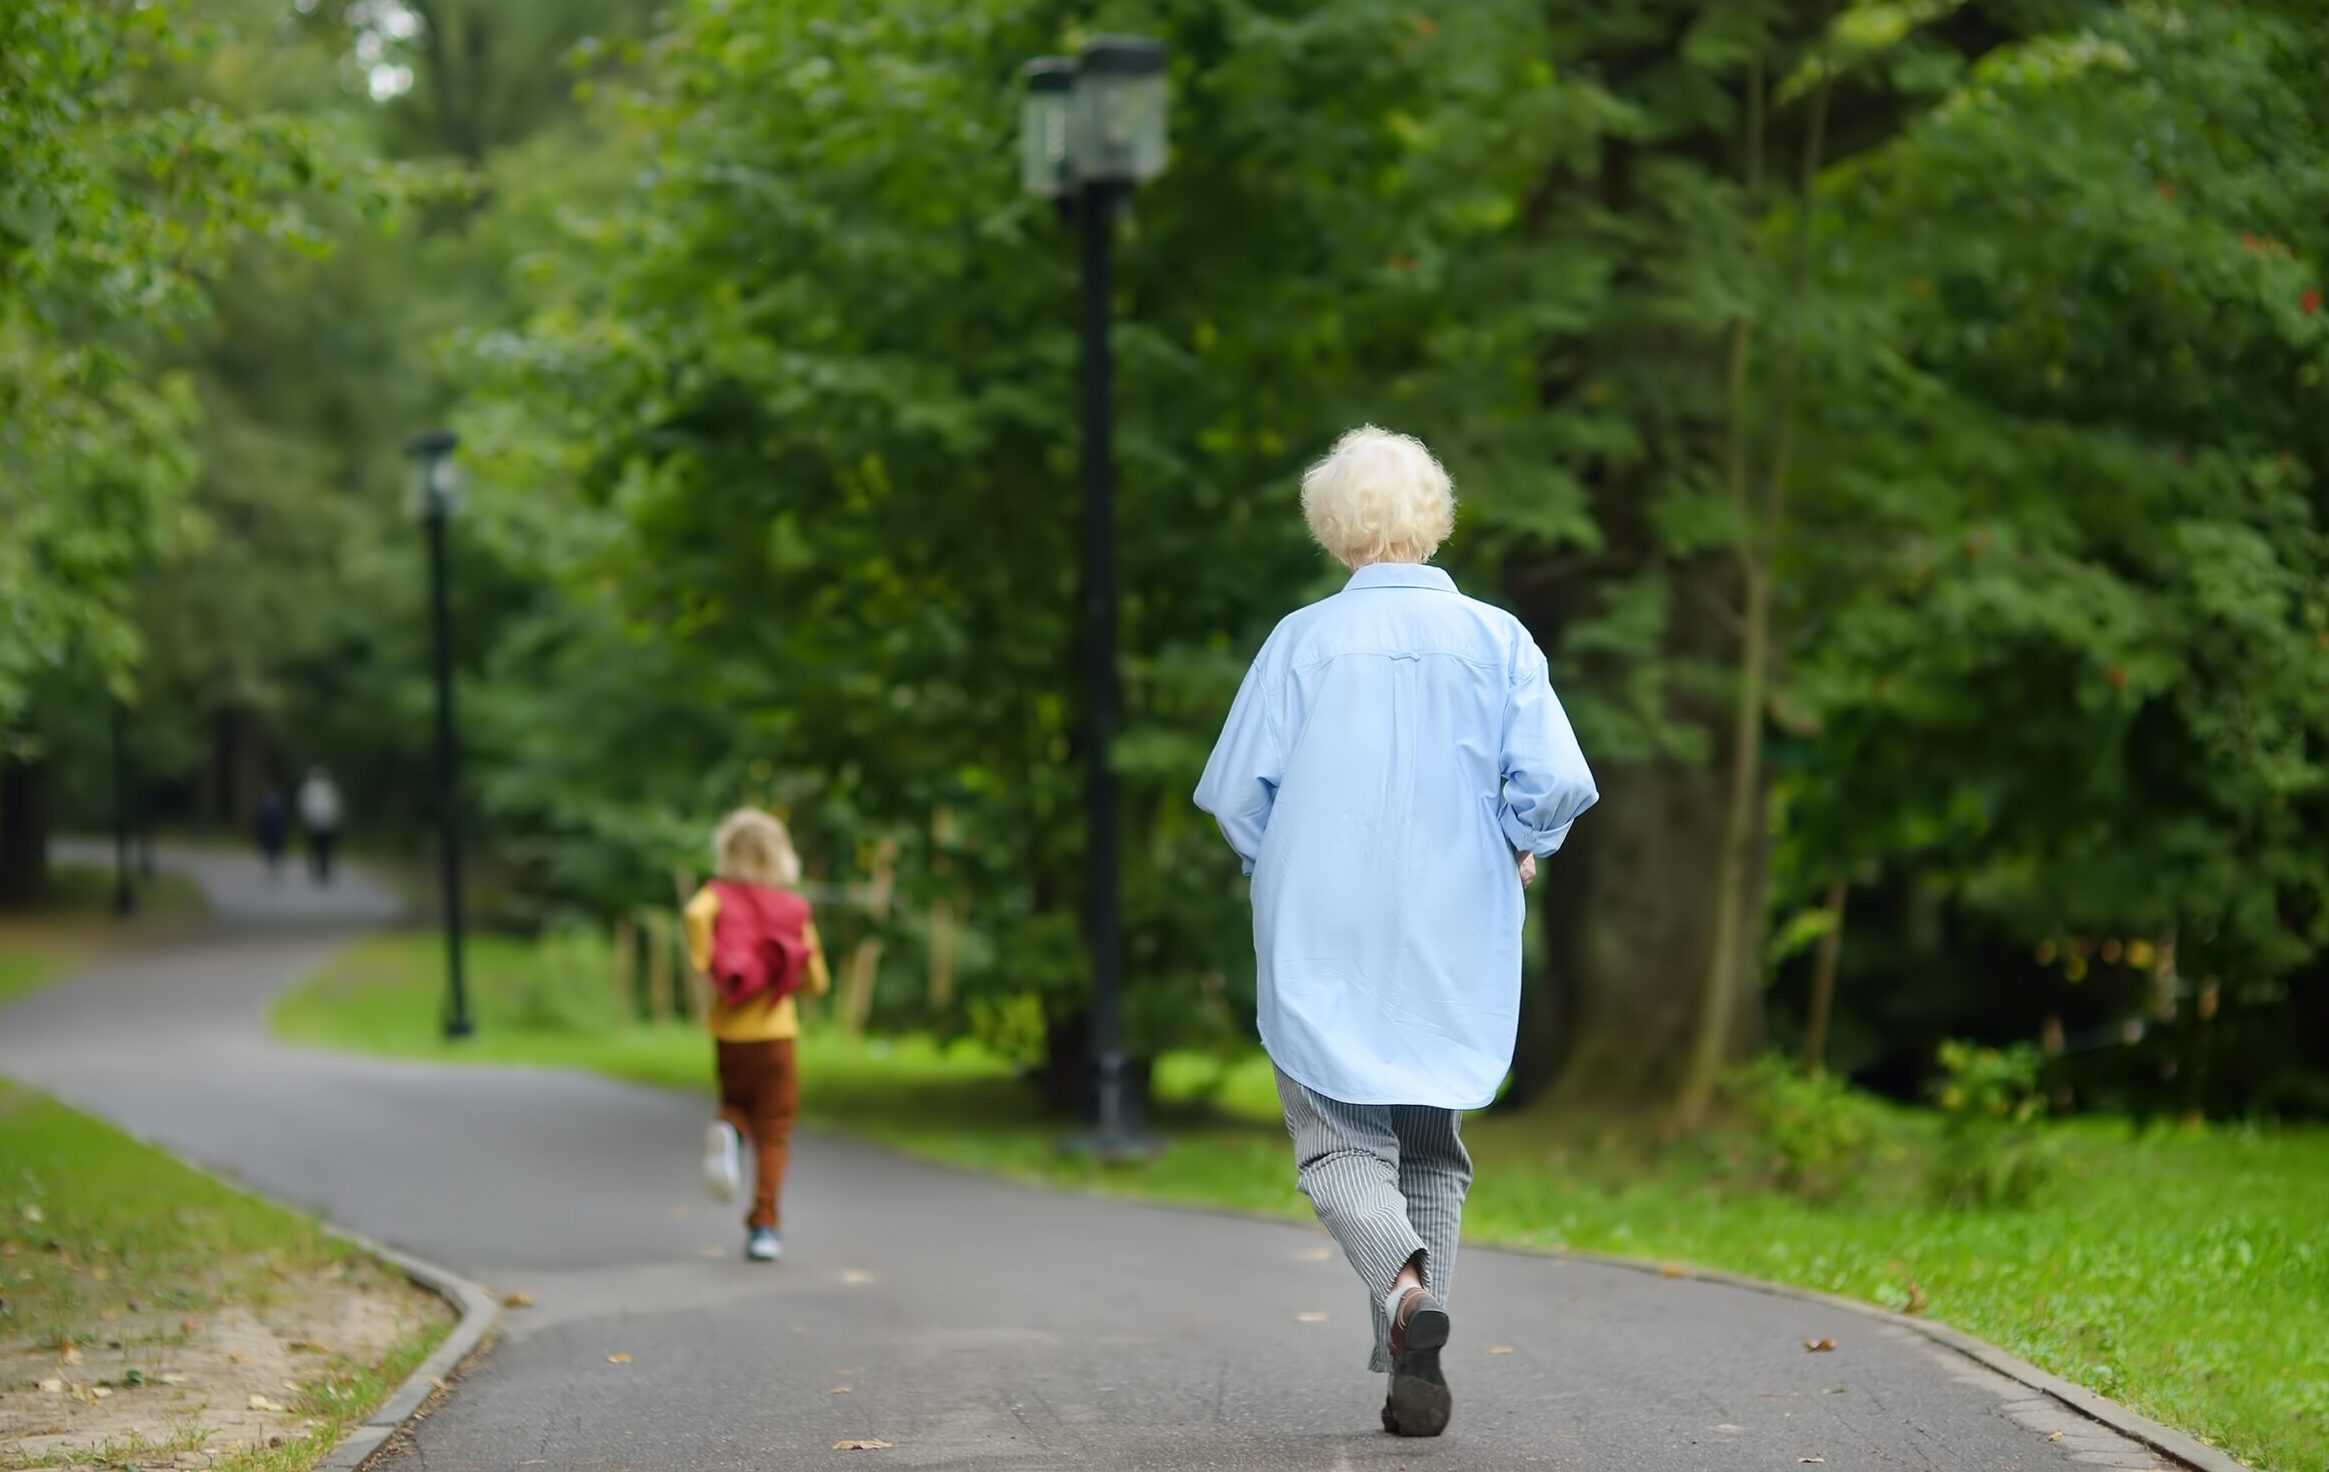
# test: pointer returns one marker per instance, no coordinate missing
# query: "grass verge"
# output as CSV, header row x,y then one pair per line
x,y
75,921
2185,1274
150,1314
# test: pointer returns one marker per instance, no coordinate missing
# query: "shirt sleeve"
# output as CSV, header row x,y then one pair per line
x,y
1241,780
820,979
1546,782
697,919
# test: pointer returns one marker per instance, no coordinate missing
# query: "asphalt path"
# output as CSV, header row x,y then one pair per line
x,y
965,1322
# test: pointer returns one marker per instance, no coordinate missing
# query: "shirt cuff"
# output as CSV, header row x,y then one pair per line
x,y
1527,840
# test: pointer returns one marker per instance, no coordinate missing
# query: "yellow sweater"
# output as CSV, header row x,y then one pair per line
x,y
762,1019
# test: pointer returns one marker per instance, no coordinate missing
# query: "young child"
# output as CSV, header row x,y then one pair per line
x,y
754,942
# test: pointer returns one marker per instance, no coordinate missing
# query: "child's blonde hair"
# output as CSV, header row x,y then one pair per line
x,y
754,847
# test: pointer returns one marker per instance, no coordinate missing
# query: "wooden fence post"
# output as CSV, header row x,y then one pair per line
x,y
658,963
941,913
626,965
865,958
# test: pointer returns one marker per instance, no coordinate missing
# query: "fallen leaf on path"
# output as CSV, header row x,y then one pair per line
x,y
712,1252
1818,1346
517,1300
1672,1270
171,1379
618,1359
1811,1461
2053,1436
843,1389
239,1358
71,1355
52,1387
292,1386
683,1212
861,1446
261,1403
856,1275
1310,1316
1500,1349
1316,1254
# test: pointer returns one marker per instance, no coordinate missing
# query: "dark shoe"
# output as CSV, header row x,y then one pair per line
x,y
1419,1404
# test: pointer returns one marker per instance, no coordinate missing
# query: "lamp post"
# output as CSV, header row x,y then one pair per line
x,y
124,890
439,490
1091,129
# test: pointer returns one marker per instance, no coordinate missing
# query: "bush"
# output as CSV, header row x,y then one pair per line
x,y
1993,1150
1818,1136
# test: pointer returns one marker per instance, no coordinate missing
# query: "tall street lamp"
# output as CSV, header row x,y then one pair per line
x,y
1091,129
124,891
439,490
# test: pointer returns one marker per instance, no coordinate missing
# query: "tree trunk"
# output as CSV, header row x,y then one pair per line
x,y
1734,929
1823,982
1612,1020
24,832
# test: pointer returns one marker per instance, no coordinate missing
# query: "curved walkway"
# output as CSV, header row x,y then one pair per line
x,y
965,1322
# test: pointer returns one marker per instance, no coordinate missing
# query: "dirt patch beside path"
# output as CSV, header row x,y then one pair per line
x,y
158,1387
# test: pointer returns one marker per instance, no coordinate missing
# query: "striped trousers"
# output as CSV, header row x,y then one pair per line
x,y
1388,1181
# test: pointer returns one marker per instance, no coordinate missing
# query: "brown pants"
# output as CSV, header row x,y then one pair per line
x,y
759,1094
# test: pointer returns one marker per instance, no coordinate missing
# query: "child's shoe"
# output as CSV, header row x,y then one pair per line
x,y
723,1161
762,1245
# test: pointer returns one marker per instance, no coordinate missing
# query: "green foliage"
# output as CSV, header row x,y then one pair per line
x,y
765,374
1819,1138
1991,1154
120,197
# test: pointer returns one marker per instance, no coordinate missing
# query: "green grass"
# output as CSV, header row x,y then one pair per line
x,y
75,920
99,1233
2185,1274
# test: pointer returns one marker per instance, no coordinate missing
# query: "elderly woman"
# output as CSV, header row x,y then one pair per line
x,y
1393,767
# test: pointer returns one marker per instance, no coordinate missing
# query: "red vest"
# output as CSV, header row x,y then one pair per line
x,y
760,942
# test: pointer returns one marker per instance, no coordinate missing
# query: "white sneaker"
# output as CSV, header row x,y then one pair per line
x,y
723,1161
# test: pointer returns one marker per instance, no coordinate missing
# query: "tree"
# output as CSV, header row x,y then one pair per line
x,y
2058,585
122,196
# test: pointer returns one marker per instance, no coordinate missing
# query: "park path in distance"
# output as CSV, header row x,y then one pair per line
x,y
968,1323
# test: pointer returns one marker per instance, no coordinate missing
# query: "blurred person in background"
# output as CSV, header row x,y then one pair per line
x,y
754,941
274,826
1393,767
319,815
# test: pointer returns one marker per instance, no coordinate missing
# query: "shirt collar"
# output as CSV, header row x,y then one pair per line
x,y
1402,575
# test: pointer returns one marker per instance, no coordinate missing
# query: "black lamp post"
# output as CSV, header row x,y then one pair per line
x,y
124,889
438,492
1091,129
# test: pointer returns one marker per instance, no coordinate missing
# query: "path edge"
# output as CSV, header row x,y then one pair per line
x,y
480,1313
2176,1446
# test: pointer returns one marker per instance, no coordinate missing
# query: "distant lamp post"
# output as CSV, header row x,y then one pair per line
x,y
124,890
439,492
1091,129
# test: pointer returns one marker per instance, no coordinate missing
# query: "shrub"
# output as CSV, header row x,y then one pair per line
x,y
1818,1137
1993,1148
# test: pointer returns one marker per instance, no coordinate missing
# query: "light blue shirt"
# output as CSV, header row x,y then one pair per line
x,y
1392,751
